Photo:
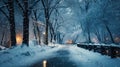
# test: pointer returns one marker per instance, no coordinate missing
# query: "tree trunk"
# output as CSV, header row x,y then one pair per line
x,y
38,33
112,39
58,37
88,33
12,22
46,30
3,35
89,39
97,34
26,24
46,12
47,22
52,33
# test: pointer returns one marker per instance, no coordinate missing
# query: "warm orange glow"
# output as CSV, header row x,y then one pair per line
x,y
69,41
19,39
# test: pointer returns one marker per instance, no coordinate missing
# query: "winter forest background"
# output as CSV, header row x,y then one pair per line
x,y
59,21
59,33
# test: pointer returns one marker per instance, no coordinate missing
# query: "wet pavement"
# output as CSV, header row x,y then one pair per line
x,y
61,59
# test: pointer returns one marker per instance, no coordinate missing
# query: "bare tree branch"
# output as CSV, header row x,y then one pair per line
x,y
31,7
4,14
43,3
58,1
19,4
7,6
3,6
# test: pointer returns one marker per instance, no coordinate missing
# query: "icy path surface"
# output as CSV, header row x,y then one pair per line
x,y
73,56
60,59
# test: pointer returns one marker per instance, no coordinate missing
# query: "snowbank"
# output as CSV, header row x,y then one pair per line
x,y
116,45
2,48
25,56
87,58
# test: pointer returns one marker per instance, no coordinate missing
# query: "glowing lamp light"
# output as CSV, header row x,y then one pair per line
x,y
44,63
19,39
44,33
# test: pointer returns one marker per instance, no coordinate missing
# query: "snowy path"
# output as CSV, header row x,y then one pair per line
x,y
72,56
61,59
59,56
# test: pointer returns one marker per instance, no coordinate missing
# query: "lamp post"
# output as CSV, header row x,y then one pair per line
x,y
44,37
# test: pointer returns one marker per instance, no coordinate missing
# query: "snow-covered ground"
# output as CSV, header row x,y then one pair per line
x,y
2,48
27,56
87,58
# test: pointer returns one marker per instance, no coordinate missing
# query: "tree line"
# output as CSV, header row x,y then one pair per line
x,y
28,10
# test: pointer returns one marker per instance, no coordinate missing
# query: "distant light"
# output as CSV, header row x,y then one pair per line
x,y
69,41
44,33
117,52
19,39
95,40
107,51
